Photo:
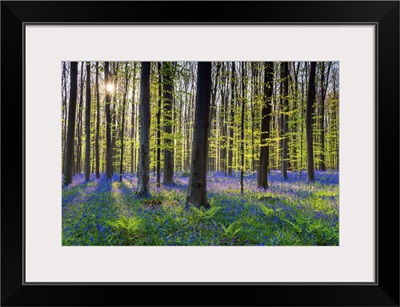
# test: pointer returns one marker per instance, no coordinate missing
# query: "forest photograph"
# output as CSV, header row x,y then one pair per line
x,y
200,153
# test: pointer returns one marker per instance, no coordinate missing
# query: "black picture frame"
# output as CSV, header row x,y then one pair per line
x,y
383,14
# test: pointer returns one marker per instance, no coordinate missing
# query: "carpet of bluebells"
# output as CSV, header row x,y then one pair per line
x,y
290,212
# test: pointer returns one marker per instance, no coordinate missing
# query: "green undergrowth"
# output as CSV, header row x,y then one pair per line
x,y
114,215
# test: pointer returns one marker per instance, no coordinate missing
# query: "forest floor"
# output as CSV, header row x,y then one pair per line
x,y
290,212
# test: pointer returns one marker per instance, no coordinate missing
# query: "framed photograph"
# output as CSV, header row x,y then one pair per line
x,y
241,151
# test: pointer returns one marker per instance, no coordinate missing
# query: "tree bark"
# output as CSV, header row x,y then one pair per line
x,y
79,139
97,122
285,118
310,101
231,122
262,179
71,124
253,96
168,176
242,134
64,114
223,120
324,86
213,110
92,144
296,127
303,83
158,154
143,189
109,169
114,116
133,120
87,123
197,193
121,161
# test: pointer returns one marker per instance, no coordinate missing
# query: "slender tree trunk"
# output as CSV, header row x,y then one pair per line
x,y
310,102
304,80
197,193
137,133
133,120
222,124
109,169
188,128
158,158
253,96
71,124
213,110
321,118
168,176
79,136
114,116
92,133
97,122
262,179
296,127
121,161
64,114
279,120
285,118
87,123
324,86
242,134
336,123
231,121
143,189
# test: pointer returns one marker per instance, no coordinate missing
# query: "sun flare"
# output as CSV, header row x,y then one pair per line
x,y
110,87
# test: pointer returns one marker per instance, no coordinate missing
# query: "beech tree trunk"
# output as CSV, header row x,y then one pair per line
x,y
242,134
285,117
232,120
262,179
121,161
64,115
143,189
97,122
109,168
324,86
87,123
69,152
212,161
310,101
114,116
168,176
158,154
302,115
79,139
133,120
253,99
197,192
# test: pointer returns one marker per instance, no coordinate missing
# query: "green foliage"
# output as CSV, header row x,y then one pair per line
x,y
130,224
232,230
287,214
295,227
202,214
128,227
267,211
270,212
162,219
